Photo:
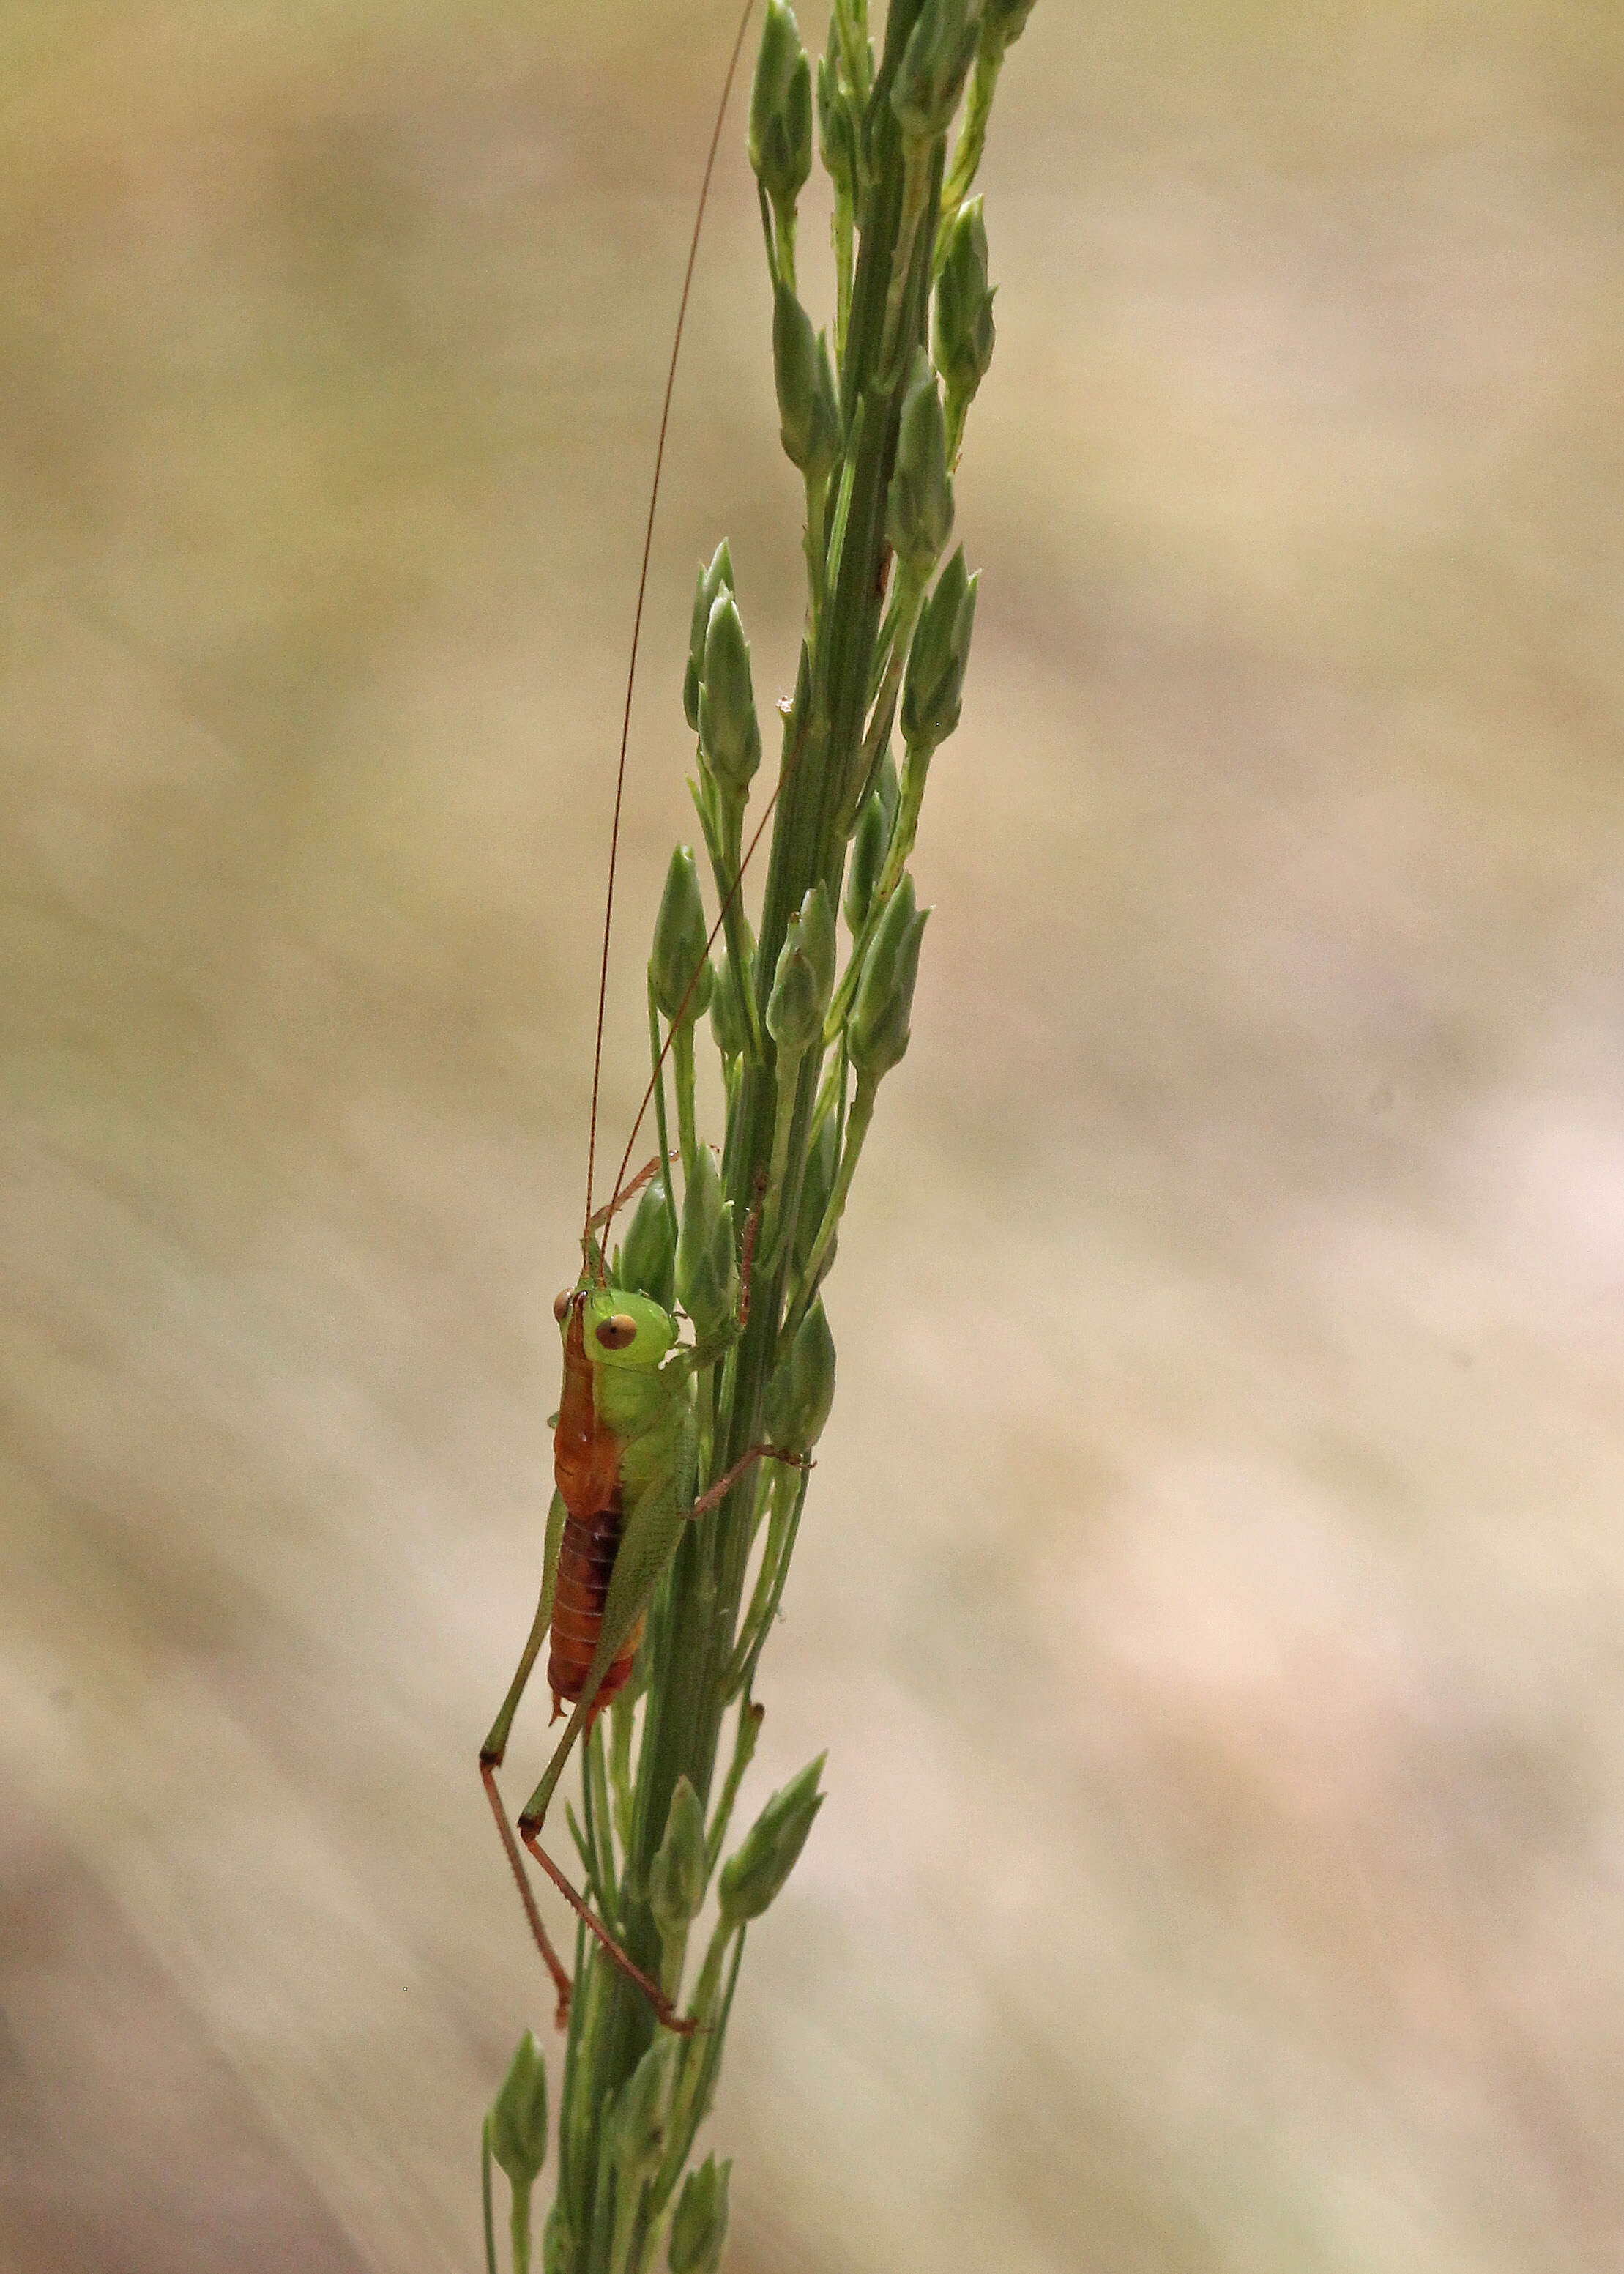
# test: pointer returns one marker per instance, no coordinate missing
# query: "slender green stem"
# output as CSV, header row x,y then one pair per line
x,y
486,2204
856,1130
595,1790
972,139
519,2226
751,1719
842,236
916,158
911,579
788,1074
659,1103
786,1548
812,543
621,1714
852,26
682,1074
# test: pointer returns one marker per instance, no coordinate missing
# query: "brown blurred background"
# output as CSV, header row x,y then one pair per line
x,y
1211,1594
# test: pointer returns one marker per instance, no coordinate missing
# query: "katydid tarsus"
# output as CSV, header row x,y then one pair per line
x,y
626,1447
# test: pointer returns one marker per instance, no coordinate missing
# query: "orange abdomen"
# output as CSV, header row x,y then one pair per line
x,y
585,1560
586,1466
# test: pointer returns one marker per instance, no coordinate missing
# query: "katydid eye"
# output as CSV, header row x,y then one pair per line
x,y
617,1331
560,1306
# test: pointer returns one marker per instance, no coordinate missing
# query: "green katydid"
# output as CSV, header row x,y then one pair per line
x,y
626,1464
626,1452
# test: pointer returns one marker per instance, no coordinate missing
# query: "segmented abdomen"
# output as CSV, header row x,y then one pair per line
x,y
586,1558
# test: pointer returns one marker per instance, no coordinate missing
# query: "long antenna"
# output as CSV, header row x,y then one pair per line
x,y
643,583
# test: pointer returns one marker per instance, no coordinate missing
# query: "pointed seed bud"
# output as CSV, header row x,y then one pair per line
x,y
837,131
888,789
519,2115
648,1263
728,1022
729,736
918,510
809,408
713,581
802,1387
934,65
933,688
752,1876
879,1031
677,1875
964,327
637,2120
679,942
780,130
805,979
699,2229
707,1268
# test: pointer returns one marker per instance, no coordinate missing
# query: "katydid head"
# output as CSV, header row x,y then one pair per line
x,y
619,1326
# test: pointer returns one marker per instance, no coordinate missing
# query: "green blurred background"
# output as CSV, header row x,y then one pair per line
x,y
1211,1593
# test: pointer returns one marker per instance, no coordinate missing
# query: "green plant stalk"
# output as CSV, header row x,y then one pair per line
x,y
697,1660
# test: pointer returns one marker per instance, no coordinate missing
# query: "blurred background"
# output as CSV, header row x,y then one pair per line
x,y
1211,1594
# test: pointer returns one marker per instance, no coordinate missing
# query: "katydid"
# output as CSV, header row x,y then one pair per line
x,y
626,1445
625,1455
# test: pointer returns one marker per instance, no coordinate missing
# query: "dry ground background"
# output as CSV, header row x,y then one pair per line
x,y
1211,1594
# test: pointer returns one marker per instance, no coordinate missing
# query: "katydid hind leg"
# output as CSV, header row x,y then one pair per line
x,y
665,2012
555,1965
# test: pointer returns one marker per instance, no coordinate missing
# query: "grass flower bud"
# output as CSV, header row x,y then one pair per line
x,y
963,325
933,686
809,408
837,129
753,1875
879,1026
677,1875
936,63
802,1389
519,2115
919,510
648,1263
637,2120
699,2229
728,1022
1002,22
707,1268
805,979
679,944
867,856
729,736
780,130
711,582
